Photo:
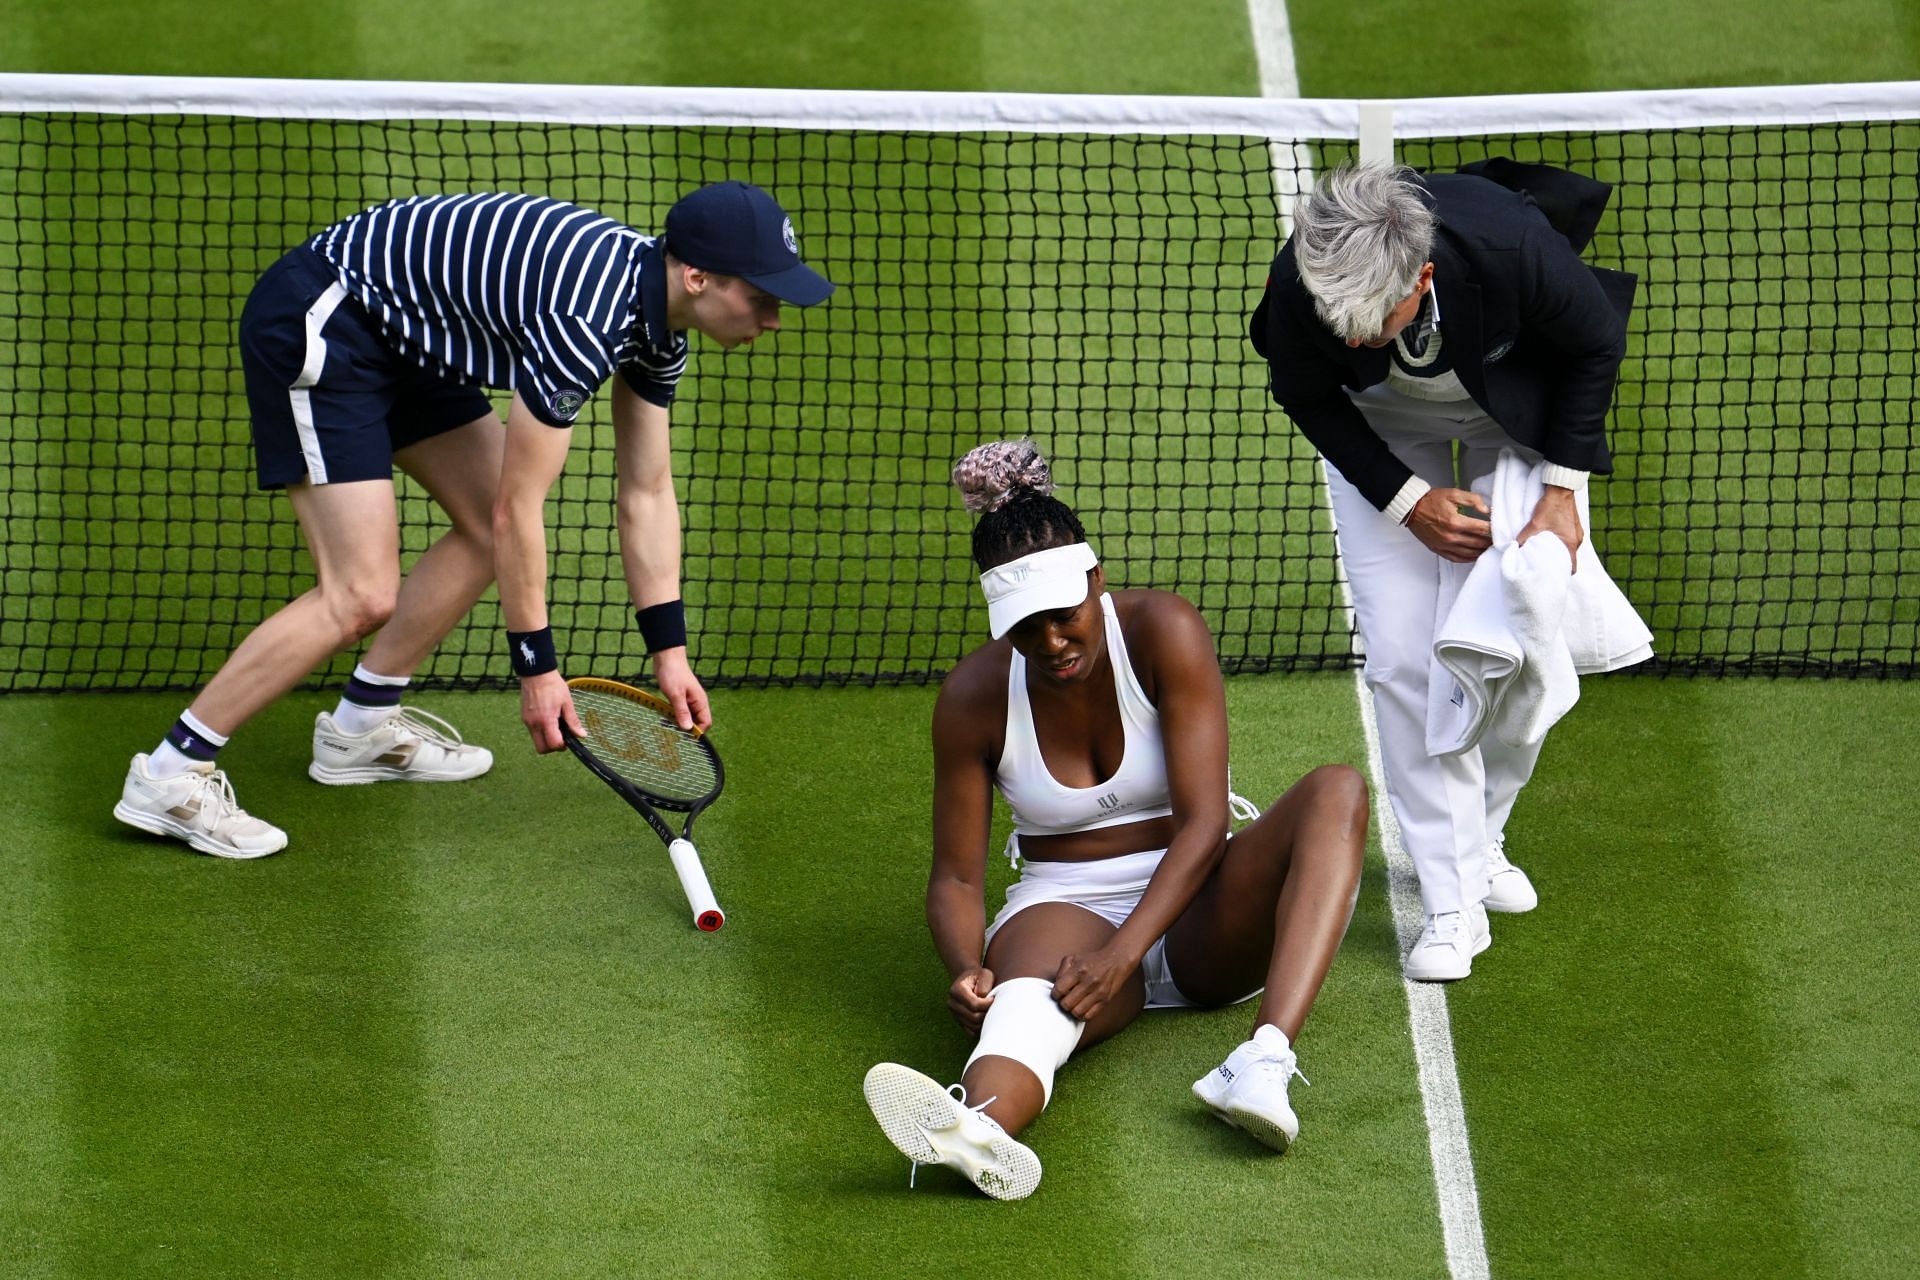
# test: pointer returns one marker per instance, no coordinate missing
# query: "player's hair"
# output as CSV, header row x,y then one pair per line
x,y
1010,485
1360,237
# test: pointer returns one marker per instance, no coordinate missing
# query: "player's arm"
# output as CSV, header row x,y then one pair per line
x,y
649,523
1191,698
962,821
535,454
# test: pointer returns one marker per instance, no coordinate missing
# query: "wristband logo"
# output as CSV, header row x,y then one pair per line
x,y
566,404
526,655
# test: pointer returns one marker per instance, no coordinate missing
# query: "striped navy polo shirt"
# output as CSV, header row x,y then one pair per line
x,y
515,292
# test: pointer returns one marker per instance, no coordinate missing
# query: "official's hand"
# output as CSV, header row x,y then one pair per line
x,y
682,689
1442,528
967,998
544,701
1557,513
1085,983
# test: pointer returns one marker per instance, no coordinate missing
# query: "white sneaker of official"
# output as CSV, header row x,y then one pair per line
x,y
1249,1089
1448,945
196,806
930,1125
1508,888
410,745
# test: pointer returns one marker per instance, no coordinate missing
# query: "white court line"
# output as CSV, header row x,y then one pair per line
x,y
1459,1196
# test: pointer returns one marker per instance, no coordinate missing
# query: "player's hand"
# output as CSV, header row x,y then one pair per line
x,y
1558,513
544,701
1085,983
968,998
680,687
1447,532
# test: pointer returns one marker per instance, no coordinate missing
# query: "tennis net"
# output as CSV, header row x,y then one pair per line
x,y
1076,270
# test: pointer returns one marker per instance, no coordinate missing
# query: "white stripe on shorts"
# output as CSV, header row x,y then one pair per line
x,y
317,317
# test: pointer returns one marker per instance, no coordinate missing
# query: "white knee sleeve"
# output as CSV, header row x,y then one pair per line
x,y
1027,1025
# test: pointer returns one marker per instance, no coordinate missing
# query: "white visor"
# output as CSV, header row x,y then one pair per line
x,y
1052,579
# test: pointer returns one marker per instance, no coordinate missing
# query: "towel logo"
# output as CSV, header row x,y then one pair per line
x,y
1495,355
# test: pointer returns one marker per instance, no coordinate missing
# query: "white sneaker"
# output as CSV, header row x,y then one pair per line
x,y
1508,888
1448,945
931,1125
1249,1089
410,745
196,806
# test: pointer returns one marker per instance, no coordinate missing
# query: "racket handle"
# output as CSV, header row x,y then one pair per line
x,y
707,915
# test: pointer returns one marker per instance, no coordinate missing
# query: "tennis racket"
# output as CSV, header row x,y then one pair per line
x,y
634,746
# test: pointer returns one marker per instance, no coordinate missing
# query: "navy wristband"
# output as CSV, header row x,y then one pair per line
x,y
663,626
532,652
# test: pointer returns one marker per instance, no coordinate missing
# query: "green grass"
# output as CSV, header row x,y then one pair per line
x,y
496,1046
467,1031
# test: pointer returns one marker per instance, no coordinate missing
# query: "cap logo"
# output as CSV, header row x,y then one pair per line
x,y
566,404
787,237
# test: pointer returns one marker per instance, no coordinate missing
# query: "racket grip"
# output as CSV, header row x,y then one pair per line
x,y
707,915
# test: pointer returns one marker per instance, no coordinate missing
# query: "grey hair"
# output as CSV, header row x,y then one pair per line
x,y
1361,236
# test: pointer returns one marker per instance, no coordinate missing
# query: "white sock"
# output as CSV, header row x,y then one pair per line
x,y
169,761
1272,1039
379,698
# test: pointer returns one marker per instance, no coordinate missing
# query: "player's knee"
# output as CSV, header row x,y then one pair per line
x,y
1340,787
363,608
1025,1023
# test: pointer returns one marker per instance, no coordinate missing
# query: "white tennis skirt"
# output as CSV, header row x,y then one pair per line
x,y
1110,888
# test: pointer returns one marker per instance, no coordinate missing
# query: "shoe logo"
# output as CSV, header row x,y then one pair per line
x,y
1226,1073
336,746
185,812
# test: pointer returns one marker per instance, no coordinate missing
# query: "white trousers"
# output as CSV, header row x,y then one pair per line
x,y
1449,807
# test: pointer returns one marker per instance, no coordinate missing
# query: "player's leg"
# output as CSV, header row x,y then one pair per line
x,y
353,537
1023,957
369,737
1272,915
1008,1080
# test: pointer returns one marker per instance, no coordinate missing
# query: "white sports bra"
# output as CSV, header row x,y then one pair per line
x,y
1138,788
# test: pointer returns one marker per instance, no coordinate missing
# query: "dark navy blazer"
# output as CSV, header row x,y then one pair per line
x,y
1535,334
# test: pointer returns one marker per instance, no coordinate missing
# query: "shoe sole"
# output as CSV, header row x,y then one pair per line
x,y
914,1112
155,824
1265,1128
1260,1126
382,773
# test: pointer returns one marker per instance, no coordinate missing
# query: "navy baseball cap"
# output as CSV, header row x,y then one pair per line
x,y
737,229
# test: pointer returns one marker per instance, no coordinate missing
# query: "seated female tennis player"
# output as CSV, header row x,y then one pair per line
x,y
1102,718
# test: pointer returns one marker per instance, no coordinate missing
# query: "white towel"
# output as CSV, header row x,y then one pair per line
x,y
1519,627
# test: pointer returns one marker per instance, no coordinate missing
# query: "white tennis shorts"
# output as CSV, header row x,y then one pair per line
x,y
1110,888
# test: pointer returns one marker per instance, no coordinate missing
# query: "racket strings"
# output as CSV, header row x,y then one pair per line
x,y
645,748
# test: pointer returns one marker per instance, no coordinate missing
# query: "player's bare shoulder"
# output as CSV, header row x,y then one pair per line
x,y
1166,636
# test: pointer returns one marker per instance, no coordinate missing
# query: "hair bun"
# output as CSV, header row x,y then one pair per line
x,y
991,475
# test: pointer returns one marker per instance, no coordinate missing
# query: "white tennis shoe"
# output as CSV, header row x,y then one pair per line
x,y
1448,945
1249,1089
196,806
1508,888
410,745
930,1125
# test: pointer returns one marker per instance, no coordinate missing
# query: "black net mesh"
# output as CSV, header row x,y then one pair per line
x,y
1088,292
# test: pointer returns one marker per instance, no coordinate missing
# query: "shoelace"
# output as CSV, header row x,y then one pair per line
x,y
217,801
959,1092
1497,856
429,726
1445,925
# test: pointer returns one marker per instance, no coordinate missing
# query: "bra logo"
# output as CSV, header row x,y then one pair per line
x,y
1111,801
